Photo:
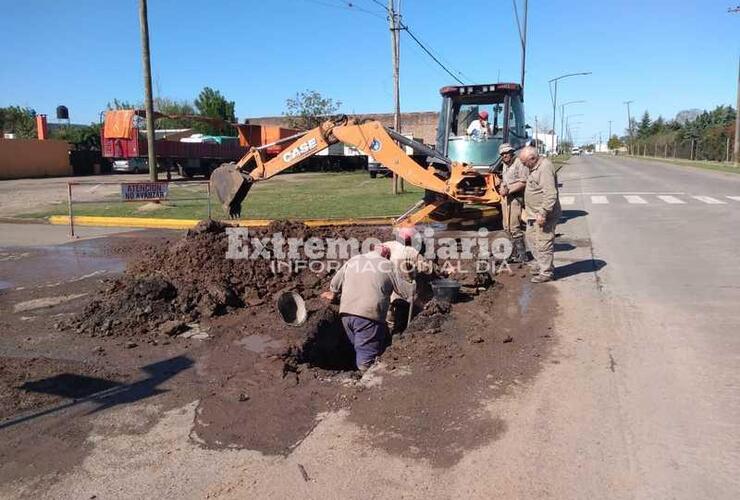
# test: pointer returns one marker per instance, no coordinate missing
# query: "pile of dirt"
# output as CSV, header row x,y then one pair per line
x,y
430,318
189,280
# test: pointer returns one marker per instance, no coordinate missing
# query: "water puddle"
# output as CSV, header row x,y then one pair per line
x,y
53,265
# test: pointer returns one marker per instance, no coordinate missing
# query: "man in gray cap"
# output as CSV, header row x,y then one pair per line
x,y
513,182
543,211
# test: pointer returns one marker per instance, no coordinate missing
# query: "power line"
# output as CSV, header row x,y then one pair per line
x,y
429,53
385,9
445,61
348,6
353,6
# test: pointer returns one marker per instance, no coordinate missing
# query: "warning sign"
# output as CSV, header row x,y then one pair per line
x,y
137,191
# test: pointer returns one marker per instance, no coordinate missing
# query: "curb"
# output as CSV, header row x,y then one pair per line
x,y
87,220
22,220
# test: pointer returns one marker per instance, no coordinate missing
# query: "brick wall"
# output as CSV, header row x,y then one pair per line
x,y
422,125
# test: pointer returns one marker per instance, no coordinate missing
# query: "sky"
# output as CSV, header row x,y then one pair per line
x,y
665,56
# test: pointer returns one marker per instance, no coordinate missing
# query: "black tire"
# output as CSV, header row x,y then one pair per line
x,y
184,173
373,175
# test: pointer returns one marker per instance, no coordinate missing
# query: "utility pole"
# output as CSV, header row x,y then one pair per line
x,y
737,118
629,124
610,130
148,101
522,36
395,27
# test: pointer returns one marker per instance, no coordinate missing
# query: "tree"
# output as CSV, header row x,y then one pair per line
x,y
168,106
309,108
122,104
85,138
643,128
213,104
658,126
565,147
19,121
614,142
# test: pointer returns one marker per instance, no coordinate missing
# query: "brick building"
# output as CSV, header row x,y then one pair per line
x,y
422,125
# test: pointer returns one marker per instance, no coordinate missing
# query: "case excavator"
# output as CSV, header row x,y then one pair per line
x,y
468,179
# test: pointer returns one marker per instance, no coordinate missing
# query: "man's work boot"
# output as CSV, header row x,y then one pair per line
x,y
519,251
533,267
541,278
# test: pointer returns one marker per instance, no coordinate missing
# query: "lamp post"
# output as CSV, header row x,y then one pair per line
x,y
562,111
554,97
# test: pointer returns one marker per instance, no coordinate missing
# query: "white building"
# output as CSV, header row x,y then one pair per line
x,y
546,142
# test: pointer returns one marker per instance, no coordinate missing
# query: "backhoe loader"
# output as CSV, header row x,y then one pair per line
x,y
451,182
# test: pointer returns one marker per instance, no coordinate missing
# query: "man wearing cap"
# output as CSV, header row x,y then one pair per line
x,y
480,127
366,282
513,181
543,212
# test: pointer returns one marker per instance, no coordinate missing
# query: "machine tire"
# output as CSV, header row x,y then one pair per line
x,y
373,175
183,172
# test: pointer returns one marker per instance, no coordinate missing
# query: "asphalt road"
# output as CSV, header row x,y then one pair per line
x,y
658,316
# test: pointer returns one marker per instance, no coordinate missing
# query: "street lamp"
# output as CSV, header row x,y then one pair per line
x,y
562,111
567,122
554,97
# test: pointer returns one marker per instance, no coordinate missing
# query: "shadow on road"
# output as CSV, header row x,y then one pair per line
x,y
567,215
101,392
564,247
580,267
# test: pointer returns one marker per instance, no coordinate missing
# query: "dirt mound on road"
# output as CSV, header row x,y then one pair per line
x,y
192,279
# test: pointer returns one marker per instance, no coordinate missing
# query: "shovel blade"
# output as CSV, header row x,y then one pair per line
x,y
231,187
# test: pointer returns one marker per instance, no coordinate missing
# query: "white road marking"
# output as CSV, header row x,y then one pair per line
x,y
615,193
672,200
709,200
567,200
634,199
736,198
599,200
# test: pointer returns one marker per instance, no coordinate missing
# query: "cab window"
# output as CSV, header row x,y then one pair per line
x,y
465,113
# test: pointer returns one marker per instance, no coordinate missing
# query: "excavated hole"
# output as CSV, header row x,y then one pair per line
x,y
327,346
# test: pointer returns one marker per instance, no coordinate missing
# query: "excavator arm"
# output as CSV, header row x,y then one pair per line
x,y
232,182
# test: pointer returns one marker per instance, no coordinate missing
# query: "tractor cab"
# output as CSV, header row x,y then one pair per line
x,y
476,144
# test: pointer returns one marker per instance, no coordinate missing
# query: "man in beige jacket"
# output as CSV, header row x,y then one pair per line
x,y
542,202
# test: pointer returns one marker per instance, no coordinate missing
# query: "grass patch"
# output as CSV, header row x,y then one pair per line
x,y
705,164
559,161
294,196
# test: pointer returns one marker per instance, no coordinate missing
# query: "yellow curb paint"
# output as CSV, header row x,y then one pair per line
x,y
154,223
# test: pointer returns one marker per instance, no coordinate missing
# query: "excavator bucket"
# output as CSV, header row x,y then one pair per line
x,y
231,187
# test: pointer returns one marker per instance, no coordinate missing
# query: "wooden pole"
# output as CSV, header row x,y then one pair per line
x,y
394,27
737,119
148,101
727,150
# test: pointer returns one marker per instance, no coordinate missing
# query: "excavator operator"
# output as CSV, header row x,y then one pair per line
x,y
480,128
